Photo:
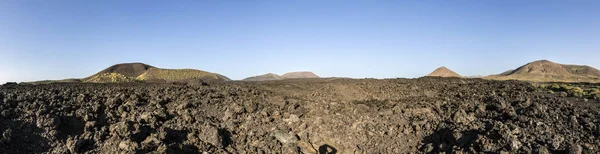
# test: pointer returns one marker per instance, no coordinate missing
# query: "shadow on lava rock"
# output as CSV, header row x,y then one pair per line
x,y
70,126
21,137
443,140
226,137
327,149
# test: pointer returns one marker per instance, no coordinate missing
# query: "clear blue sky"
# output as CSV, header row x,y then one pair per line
x,y
42,39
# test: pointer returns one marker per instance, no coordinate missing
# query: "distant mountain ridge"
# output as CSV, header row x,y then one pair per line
x,y
443,72
290,75
536,71
264,77
295,75
548,71
140,72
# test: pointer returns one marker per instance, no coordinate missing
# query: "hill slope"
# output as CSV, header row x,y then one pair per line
x,y
55,81
295,75
110,78
172,75
290,75
547,71
443,72
264,77
127,69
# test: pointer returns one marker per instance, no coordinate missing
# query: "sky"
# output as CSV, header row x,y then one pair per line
x,y
41,39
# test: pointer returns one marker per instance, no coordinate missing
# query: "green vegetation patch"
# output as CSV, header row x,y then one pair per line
x,y
110,78
172,75
572,90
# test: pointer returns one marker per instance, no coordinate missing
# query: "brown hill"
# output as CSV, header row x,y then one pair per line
x,y
174,75
264,77
132,70
295,75
443,72
547,71
140,72
583,70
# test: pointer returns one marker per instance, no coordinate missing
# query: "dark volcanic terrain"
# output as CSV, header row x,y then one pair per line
x,y
425,115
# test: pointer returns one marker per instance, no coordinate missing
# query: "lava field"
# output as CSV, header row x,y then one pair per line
x,y
424,115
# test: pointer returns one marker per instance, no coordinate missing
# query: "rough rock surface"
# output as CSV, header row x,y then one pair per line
x,y
426,115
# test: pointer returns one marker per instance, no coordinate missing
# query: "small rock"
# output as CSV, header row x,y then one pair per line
x,y
128,145
147,116
543,150
510,112
290,149
428,148
284,138
588,146
515,144
573,120
302,126
183,105
88,117
556,142
292,118
121,129
462,117
251,106
267,119
210,134
237,108
7,135
457,135
90,124
228,115
75,145
387,113
153,141
575,149
5,113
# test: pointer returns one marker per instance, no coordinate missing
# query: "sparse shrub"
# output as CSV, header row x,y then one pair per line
x,y
575,92
110,78
176,75
563,94
593,94
555,87
565,88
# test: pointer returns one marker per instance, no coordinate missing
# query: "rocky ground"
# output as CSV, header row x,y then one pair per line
x,y
426,115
